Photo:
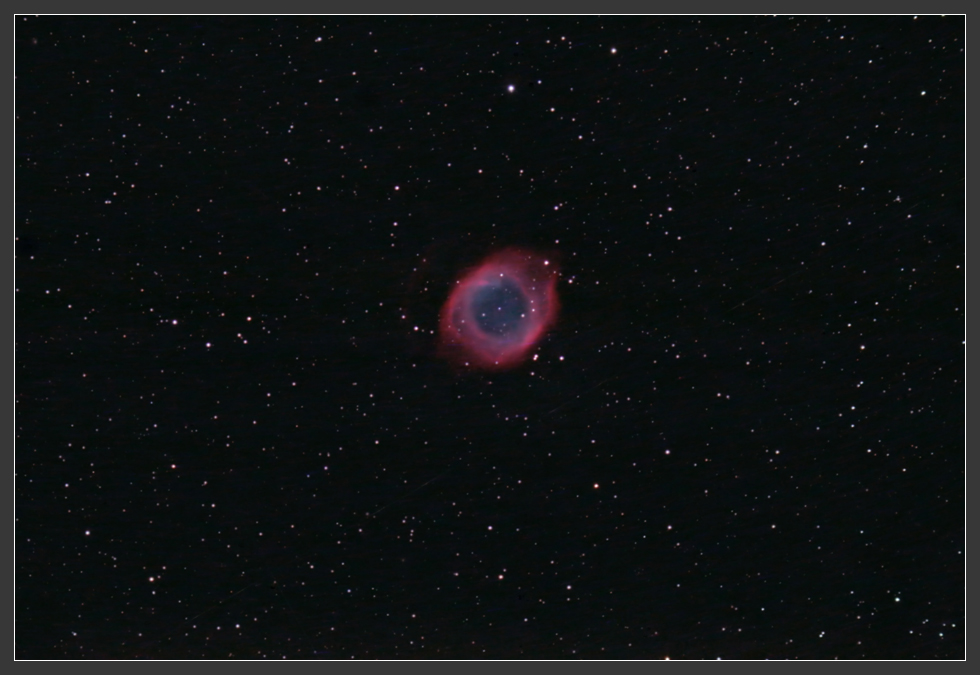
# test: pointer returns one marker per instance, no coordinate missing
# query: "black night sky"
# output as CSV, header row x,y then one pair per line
x,y
237,435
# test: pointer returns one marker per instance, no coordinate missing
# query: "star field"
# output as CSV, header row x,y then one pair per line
x,y
236,433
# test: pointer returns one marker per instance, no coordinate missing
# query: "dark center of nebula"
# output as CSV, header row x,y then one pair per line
x,y
500,308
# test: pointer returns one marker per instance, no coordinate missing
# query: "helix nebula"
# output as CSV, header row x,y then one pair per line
x,y
499,310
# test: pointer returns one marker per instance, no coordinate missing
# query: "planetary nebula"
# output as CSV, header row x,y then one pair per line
x,y
499,310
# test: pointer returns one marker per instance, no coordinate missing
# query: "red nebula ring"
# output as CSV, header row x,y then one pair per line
x,y
499,310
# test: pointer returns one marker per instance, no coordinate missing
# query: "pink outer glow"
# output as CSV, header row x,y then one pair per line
x,y
462,338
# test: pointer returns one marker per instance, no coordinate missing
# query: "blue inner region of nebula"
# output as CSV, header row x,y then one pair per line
x,y
500,308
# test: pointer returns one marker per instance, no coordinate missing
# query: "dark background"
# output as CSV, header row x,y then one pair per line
x,y
743,439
